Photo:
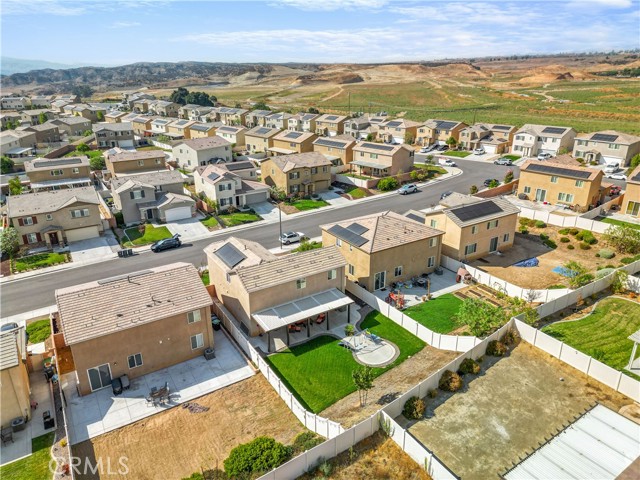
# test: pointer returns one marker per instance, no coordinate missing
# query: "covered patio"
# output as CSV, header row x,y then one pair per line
x,y
371,169
299,320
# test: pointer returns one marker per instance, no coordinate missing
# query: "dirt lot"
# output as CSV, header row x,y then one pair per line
x,y
176,443
399,379
506,411
540,277
376,457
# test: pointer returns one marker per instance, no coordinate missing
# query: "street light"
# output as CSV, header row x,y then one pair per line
x,y
280,223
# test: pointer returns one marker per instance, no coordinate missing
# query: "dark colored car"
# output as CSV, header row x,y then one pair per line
x,y
8,326
445,195
167,243
488,181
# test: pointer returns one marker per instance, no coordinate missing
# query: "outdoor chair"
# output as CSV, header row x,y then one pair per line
x,y
6,435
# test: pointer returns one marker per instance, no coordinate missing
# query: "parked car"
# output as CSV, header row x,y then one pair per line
x,y
503,161
8,326
408,188
544,156
479,151
445,194
166,244
426,149
617,176
489,181
448,163
443,148
615,190
292,237
611,168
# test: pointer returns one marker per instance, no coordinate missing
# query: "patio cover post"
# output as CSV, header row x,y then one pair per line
x,y
269,342
349,313
308,328
287,328
633,355
327,321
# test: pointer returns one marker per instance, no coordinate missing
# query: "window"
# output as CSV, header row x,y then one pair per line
x,y
527,190
193,317
294,175
49,217
633,208
332,274
579,154
374,156
398,271
469,249
565,197
554,179
32,238
56,173
228,278
520,137
579,183
197,341
433,223
492,224
338,242
140,163
433,242
352,269
614,146
27,221
136,194
224,201
431,262
75,170
158,161
581,142
325,169
99,377
505,238
302,283
80,213
135,360
474,230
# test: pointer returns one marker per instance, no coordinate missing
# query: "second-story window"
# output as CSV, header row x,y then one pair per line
x,y
193,317
302,283
332,274
56,173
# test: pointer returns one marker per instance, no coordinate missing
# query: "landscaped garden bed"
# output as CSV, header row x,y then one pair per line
x,y
150,234
456,153
39,260
303,205
39,330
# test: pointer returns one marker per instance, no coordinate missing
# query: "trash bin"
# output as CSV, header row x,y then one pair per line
x,y
48,420
116,386
209,353
215,322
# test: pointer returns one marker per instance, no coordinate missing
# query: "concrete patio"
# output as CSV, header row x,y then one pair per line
x,y
101,411
542,207
440,284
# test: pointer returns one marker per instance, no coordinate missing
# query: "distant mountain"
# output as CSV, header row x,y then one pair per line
x,y
10,65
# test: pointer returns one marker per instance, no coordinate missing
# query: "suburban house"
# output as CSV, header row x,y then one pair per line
x,y
223,185
141,126
607,147
631,205
41,101
493,138
266,293
72,126
10,117
55,217
474,227
179,129
532,140
398,131
303,122
14,377
232,134
384,248
437,132
338,150
152,196
17,144
164,108
381,160
278,120
114,116
199,152
186,111
203,130
57,173
68,97
59,105
561,184
152,325
328,125
120,161
232,116
256,118
362,126
94,114
109,135
32,117
131,98
45,133
304,173
14,103
259,139
203,114
289,141
160,126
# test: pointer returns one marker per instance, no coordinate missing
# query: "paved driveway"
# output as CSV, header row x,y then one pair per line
x,y
266,210
189,229
333,198
94,249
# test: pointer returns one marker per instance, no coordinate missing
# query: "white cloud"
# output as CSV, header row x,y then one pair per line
x,y
43,7
125,24
330,5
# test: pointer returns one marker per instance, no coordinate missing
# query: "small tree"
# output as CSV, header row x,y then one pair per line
x,y
97,163
493,183
259,455
473,190
620,281
86,133
261,106
408,138
100,116
452,142
15,186
278,194
635,161
313,110
623,238
9,241
388,183
369,137
6,165
83,147
508,176
42,118
363,380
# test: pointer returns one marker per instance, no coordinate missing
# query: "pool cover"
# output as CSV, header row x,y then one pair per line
x,y
530,262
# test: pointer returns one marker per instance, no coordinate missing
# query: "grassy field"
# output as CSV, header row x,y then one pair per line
x,y
39,330
437,314
39,260
620,223
303,205
603,334
33,467
318,372
238,218
151,234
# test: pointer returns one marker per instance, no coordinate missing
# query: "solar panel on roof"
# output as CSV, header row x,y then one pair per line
x,y
357,228
293,135
501,127
262,131
554,130
331,117
378,146
330,143
232,166
213,176
348,236
415,217
537,167
57,163
393,124
603,137
230,255
446,125
476,210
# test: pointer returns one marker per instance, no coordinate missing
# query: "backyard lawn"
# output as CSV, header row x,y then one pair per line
x,y
151,234
303,205
437,314
210,222
619,223
35,466
456,153
238,218
603,334
318,372
39,330
39,260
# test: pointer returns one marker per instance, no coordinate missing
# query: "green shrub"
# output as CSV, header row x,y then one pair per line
x,y
565,239
194,476
326,468
544,237
433,393
388,183
555,287
524,221
585,246
587,237
414,408
550,244
606,253
524,230
574,231
540,224
570,247
496,348
450,381
582,280
259,455
349,330
628,260
119,218
469,365
305,441
563,231
511,337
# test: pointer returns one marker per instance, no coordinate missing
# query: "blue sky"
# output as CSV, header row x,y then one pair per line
x,y
118,32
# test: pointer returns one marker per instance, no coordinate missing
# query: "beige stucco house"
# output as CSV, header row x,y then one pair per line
x,y
203,130
57,173
179,129
304,173
382,160
232,116
72,126
260,139
120,161
631,205
17,145
493,138
607,146
303,122
232,134
45,133
256,118
532,140
288,142
164,108
435,131
338,150
14,378
110,135
198,152
398,131
329,125
230,184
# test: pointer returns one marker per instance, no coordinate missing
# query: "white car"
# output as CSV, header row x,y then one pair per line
x,y
448,163
479,151
617,176
292,237
544,156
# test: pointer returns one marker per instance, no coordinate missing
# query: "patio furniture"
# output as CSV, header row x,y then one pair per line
x,y
6,434
320,318
48,420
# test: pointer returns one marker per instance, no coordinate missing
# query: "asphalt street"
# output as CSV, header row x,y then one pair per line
x,y
31,293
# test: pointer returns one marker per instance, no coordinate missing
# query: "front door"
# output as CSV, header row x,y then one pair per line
x,y
53,238
379,280
99,377
493,244
149,213
540,195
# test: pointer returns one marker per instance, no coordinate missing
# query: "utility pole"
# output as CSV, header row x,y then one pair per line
x,y
280,222
349,114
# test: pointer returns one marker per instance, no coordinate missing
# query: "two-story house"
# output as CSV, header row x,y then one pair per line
x,y
199,152
232,116
10,119
14,377
179,129
232,134
134,324
45,133
57,173
54,217
492,138
398,131
381,160
17,144
338,150
437,132
302,122
304,173
160,126
260,139
120,161
224,184
256,118
32,117
532,140
114,116
15,103
289,141
41,101
203,130
577,187
329,125
631,205
164,108
72,126
363,126
606,147
141,126
384,248
278,120
186,111
110,135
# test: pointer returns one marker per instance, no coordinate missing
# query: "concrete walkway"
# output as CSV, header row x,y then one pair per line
x,y
189,229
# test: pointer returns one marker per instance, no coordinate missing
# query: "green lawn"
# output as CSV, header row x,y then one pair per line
x,y
210,222
33,467
603,334
513,158
238,218
205,277
151,234
39,260
356,192
303,205
619,223
306,246
457,153
318,372
39,330
437,314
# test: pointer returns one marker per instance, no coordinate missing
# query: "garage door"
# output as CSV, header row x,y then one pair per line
x,y
82,233
609,160
490,148
179,213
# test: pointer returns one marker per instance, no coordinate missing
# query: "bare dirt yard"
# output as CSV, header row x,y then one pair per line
x,y
175,443
507,410
399,379
376,457
542,276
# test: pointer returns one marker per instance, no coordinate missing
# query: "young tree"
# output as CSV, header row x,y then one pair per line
x,y
635,161
6,165
508,176
623,238
408,138
580,275
9,241
15,186
277,193
363,380
261,106
83,147
452,142
100,116
200,98
473,190
313,110
369,137
97,163
493,183
42,118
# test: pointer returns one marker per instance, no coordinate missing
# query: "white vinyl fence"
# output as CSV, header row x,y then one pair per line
x,y
565,221
602,209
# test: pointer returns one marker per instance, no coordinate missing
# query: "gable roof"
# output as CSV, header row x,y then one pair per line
x,y
560,169
293,136
331,118
203,143
161,177
380,148
546,130
467,210
442,124
399,123
39,164
300,160
128,155
90,310
339,141
252,252
214,173
231,129
113,127
9,351
49,201
262,132
607,136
